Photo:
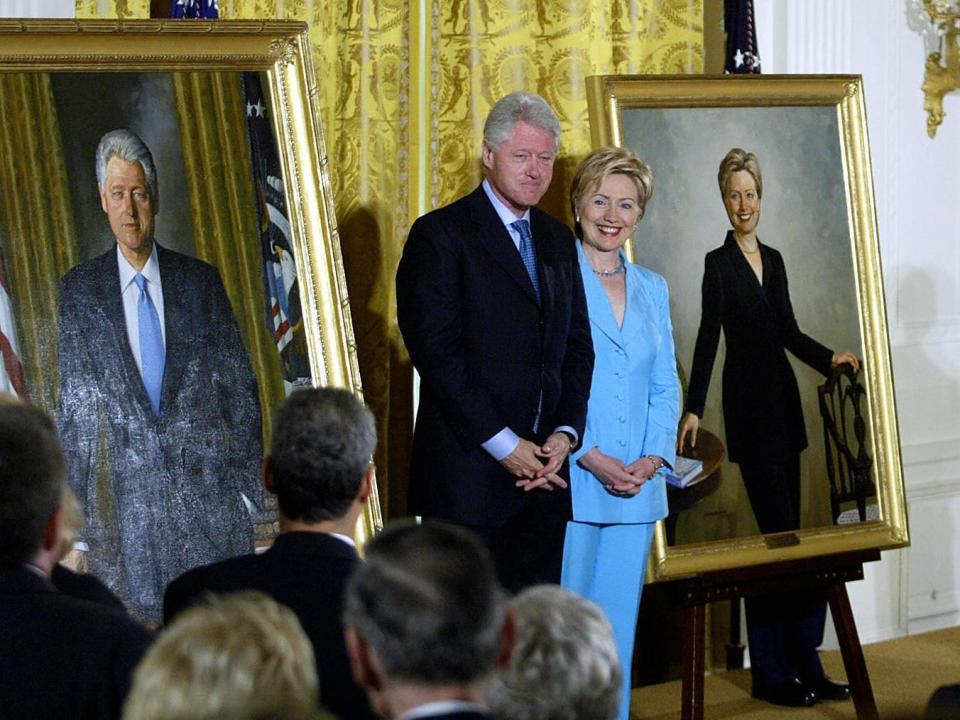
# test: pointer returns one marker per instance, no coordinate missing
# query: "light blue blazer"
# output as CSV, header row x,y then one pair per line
x,y
634,402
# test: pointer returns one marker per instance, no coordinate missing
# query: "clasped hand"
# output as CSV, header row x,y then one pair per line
x,y
617,477
537,466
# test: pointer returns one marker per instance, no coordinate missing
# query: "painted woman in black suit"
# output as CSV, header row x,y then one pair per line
x,y
745,294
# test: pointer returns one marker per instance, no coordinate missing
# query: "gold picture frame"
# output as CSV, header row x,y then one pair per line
x,y
201,61
810,135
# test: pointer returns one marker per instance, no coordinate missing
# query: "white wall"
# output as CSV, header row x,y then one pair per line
x,y
918,212
37,8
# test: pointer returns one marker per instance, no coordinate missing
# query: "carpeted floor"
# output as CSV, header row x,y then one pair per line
x,y
903,672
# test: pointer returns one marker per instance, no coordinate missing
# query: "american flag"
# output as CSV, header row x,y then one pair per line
x,y
279,265
743,57
11,372
196,9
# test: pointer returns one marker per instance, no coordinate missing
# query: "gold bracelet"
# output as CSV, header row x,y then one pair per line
x,y
657,462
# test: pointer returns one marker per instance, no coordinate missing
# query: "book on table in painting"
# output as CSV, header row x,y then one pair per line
x,y
685,472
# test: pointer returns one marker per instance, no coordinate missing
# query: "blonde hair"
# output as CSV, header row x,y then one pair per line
x,y
735,161
239,656
605,161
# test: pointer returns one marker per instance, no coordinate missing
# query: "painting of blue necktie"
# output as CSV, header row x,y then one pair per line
x,y
528,253
152,355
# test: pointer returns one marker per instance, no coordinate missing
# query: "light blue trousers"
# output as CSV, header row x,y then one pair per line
x,y
606,564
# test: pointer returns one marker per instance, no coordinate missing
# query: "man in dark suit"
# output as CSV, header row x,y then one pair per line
x,y
159,412
427,623
491,306
319,468
59,656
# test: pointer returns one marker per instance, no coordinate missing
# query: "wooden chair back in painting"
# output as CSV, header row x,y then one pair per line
x,y
849,466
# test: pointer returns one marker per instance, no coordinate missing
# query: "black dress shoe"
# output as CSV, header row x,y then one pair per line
x,y
792,694
827,689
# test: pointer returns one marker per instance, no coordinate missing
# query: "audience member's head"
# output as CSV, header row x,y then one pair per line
x,y
32,476
240,656
564,664
319,462
424,611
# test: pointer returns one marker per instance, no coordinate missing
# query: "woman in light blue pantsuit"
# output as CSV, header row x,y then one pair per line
x,y
616,476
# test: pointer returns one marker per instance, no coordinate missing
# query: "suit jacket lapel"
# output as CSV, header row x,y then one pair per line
x,y
493,237
598,304
638,308
176,320
742,266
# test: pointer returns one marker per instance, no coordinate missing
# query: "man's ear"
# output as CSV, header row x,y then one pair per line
x,y
366,484
266,476
508,639
487,155
362,663
53,530
103,198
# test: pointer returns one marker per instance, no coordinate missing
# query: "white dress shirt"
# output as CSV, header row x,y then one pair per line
x,y
130,294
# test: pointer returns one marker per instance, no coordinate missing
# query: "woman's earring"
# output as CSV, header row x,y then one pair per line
x,y
577,218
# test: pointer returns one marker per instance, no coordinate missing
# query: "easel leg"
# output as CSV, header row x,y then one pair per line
x,y
694,637
852,653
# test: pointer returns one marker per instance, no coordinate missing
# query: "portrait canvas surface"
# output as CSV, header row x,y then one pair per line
x,y
817,210
210,112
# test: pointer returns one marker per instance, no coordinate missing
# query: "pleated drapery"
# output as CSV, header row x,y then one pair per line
x,y
404,90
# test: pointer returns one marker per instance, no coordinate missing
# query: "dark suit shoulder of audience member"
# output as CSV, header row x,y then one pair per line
x,y
319,469
945,704
62,657
84,587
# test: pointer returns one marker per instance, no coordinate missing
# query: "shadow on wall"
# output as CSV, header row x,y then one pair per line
x,y
928,395
385,369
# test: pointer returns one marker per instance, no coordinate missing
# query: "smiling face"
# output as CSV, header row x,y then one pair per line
x,y
609,213
742,202
520,168
126,199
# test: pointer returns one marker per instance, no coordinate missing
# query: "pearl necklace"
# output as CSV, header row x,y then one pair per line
x,y
610,273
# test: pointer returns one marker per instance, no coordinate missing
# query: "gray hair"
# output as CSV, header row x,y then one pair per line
x,y
239,656
564,664
127,146
33,472
322,442
519,107
427,602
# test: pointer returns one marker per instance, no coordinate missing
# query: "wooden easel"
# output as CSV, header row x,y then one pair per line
x,y
829,573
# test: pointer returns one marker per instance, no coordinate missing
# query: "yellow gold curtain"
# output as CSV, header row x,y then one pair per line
x,y
405,87
488,49
36,223
361,53
216,155
120,9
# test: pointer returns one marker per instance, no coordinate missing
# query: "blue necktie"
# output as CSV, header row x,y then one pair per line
x,y
527,253
152,355
529,256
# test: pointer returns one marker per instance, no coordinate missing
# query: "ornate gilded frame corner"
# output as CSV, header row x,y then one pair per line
x,y
280,51
609,97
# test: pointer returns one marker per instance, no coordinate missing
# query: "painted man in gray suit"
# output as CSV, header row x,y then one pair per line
x,y
159,412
